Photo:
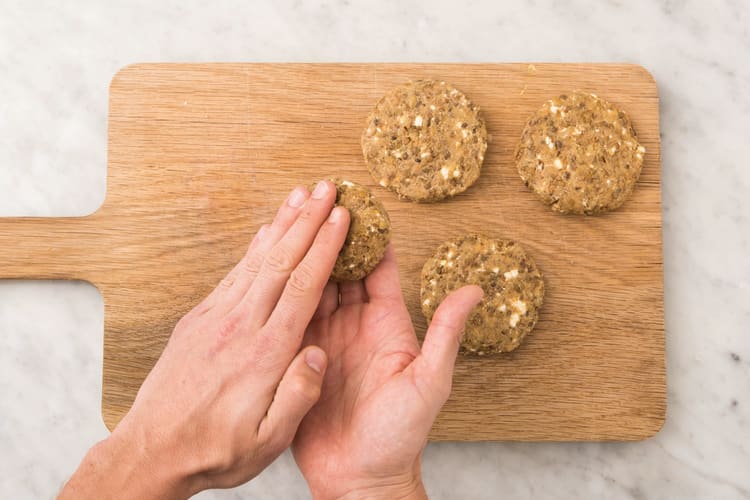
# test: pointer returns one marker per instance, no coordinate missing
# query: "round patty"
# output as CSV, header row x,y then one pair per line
x,y
513,290
425,140
369,232
579,154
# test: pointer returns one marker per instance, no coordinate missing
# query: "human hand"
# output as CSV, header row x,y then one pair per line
x,y
381,393
231,387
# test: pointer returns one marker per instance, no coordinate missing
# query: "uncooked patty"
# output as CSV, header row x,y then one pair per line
x,y
513,290
369,232
425,140
580,154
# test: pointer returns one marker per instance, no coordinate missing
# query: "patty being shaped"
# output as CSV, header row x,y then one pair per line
x,y
513,290
580,154
425,140
369,232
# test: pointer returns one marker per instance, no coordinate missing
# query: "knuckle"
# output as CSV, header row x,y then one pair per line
x,y
222,463
252,263
280,260
434,390
452,339
305,390
262,232
227,282
443,391
284,442
301,280
441,322
182,326
229,326
276,443
266,346
267,343
289,322
305,215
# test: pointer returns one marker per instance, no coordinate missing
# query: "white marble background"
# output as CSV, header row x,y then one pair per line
x,y
56,60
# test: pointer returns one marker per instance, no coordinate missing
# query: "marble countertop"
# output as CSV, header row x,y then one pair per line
x,y
56,60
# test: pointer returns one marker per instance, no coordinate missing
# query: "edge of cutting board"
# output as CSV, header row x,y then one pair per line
x,y
75,248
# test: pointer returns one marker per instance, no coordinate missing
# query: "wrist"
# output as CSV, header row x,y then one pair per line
x,y
408,487
414,491
122,466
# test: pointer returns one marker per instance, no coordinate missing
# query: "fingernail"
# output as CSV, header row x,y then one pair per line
x,y
336,215
297,198
315,359
320,190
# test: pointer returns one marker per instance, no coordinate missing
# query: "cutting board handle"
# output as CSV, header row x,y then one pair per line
x,y
46,247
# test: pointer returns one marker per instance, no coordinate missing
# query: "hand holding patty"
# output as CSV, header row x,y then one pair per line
x,y
381,392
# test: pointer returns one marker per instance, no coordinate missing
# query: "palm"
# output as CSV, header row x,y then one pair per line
x,y
369,400
381,392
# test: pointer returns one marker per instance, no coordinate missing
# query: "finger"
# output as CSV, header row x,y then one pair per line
x,y
285,217
284,257
232,288
329,301
302,293
209,302
383,282
262,233
298,390
352,292
226,283
443,337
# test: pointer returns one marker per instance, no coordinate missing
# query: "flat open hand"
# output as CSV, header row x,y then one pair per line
x,y
231,387
381,393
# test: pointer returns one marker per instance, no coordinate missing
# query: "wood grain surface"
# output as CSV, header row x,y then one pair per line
x,y
201,155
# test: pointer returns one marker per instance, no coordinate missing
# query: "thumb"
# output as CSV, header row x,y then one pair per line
x,y
298,391
444,336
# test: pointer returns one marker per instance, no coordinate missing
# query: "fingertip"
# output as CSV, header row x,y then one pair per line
x,y
338,227
339,215
462,298
322,189
446,328
298,196
472,293
316,359
298,391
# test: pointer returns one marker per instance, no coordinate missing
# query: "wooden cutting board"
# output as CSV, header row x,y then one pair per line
x,y
201,155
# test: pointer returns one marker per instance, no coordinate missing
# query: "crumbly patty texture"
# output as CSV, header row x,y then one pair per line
x,y
425,140
369,232
513,290
580,154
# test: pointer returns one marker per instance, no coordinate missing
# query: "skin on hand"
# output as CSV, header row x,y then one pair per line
x,y
231,387
381,392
